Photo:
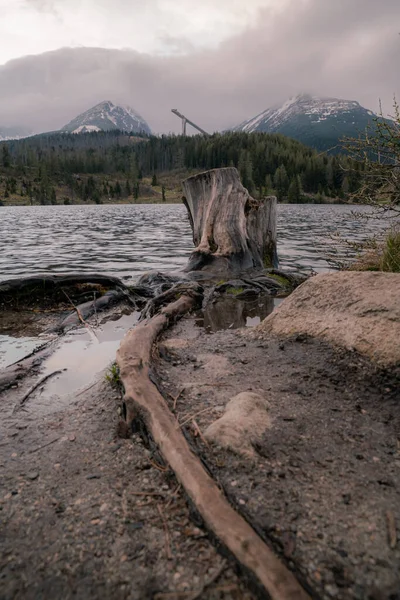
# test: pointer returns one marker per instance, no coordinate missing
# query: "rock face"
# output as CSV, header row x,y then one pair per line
x,y
355,310
232,231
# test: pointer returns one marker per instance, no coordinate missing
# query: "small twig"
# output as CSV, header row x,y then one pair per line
x,y
177,398
172,595
159,494
201,436
95,309
87,389
158,467
174,494
166,532
80,316
35,387
392,533
44,445
190,417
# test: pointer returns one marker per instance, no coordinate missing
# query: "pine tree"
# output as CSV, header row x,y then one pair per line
x,y
268,185
127,189
154,180
163,193
118,190
6,157
246,170
295,192
281,182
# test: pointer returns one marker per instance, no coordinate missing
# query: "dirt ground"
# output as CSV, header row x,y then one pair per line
x,y
85,514
324,488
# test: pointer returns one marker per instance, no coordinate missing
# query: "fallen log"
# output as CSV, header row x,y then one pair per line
x,y
144,402
232,231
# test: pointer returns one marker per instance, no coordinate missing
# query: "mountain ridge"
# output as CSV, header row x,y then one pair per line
x,y
319,122
13,133
107,116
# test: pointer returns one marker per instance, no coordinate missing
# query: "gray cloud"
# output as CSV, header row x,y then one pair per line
x,y
348,49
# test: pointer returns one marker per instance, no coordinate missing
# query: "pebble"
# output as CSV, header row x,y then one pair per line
x,y
32,475
332,590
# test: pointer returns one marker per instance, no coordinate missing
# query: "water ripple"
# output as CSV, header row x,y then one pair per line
x,y
126,240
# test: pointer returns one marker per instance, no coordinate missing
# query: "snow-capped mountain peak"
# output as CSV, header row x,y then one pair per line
x,y
107,116
315,121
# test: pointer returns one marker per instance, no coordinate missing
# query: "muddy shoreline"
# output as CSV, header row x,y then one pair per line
x,y
324,487
85,512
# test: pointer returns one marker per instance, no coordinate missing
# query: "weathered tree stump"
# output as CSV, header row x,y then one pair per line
x,y
232,231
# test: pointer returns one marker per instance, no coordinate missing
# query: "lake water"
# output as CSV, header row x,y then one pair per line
x,y
127,240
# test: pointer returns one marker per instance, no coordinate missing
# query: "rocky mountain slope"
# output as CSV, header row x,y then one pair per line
x,y
107,116
317,122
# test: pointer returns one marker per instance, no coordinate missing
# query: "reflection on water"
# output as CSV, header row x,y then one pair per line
x,y
233,313
14,349
127,240
79,357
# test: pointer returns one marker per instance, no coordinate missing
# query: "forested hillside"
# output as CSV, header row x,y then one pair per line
x,y
114,167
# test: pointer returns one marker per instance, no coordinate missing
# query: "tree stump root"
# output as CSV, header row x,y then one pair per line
x,y
143,401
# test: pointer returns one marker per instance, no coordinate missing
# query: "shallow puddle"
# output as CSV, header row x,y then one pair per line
x,y
14,349
80,356
234,313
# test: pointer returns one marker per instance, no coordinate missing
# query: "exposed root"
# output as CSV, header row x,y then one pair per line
x,y
143,401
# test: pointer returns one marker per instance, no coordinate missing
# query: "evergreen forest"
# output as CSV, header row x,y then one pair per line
x,y
115,166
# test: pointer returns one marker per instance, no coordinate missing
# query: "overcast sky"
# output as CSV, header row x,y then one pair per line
x,y
218,61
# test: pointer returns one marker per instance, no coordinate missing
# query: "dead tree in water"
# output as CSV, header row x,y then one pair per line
x,y
232,231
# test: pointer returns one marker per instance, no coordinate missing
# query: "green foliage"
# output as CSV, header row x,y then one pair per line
x,y
391,252
295,191
90,166
245,168
113,376
154,181
6,157
281,181
235,290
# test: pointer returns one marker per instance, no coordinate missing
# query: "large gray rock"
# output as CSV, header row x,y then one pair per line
x,y
354,310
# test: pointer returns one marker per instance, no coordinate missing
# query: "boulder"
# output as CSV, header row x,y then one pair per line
x,y
354,310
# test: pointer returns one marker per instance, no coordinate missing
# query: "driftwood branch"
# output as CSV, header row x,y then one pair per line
x,y
143,400
12,374
34,388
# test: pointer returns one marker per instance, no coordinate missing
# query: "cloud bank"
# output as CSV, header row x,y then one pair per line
x,y
348,49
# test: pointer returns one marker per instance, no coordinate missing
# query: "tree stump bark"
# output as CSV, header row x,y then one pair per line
x,y
232,231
